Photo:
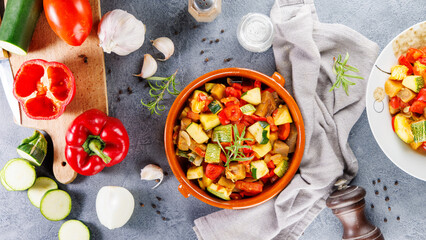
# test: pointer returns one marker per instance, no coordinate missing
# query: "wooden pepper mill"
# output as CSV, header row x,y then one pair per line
x,y
348,204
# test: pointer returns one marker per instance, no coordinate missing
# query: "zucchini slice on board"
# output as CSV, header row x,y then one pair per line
x,y
19,174
19,21
7,187
40,187
55,205
73,230
33,148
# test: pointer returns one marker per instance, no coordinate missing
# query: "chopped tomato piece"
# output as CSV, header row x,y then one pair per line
x,y
414,54
235,196
237,86
423,60
222,118
424,146
257,84
242,102
421,96
233,112
223,157
249,187
202,97
213,171
232,92
284,131
395,102
247,150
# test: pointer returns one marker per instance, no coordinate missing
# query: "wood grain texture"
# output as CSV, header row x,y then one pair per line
x,y
90,80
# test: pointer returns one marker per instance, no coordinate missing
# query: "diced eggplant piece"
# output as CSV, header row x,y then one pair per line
x,y
184,113
184,141
267,106
282,148
235,171
184,123
392,110
292,138
218,91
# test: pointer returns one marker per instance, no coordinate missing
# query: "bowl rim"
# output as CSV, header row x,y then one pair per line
x,y
187,186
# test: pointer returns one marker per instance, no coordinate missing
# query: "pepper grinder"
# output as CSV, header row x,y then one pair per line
x,y
204,10
348,204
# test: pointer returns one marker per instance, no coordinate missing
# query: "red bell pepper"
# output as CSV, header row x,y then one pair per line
x,y
193,115
421,96
393,123
43,88
249,187
424,146
94,141
395,102
284,131
213,171
271,165
257,118
418,107
237,86
423,60
268,176
235,196
403,61
271,122
233,112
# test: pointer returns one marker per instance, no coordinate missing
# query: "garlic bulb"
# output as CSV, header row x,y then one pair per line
x,y
114,206
165,46
149,67
120,32
152,172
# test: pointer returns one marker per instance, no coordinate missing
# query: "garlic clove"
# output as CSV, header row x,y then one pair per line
x,y
120,32
165,46
152,172
114,206
149,67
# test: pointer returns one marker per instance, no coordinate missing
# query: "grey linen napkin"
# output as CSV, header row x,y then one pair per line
x,y
304,49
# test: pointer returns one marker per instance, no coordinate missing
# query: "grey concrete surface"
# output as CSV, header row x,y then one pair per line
x,y
166,214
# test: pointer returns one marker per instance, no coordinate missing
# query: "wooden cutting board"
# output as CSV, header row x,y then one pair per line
x,y
88,67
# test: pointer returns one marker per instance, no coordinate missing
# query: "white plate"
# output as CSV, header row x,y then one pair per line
x,y
396,150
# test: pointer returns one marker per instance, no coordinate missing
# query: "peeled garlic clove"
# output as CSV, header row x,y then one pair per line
x,y
114,206
149,67
152,172
120,32
165,46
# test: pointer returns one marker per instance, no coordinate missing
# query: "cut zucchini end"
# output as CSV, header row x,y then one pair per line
x,y
55,205
12,48
7,187
19,174
28,157
74,230
40,187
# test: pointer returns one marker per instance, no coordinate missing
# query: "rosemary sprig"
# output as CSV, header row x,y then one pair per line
x,y
340,68
159,86
235,152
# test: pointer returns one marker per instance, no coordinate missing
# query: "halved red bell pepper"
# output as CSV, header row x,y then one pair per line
x,y
213,171
43,88
95,141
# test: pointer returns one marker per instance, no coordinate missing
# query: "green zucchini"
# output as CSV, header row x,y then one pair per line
x,y
55,205
258,169
281,168
194,172
19,21
260,131
252,96
73,229
222,133
419,131
209,120
213,153
33,148
19,174
215,107
209,86
40,187
219,191
413,82
248,109
197,133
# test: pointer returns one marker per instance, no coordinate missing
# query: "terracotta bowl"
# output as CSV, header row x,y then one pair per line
x,y
187,187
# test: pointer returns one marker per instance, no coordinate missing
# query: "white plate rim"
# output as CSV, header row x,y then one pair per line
x,y
398,152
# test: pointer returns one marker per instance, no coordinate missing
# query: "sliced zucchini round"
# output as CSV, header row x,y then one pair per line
x,y
19,174
74,230
40,187
7,187
55,205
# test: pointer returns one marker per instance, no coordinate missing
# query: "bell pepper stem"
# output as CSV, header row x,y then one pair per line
x,y
95,146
